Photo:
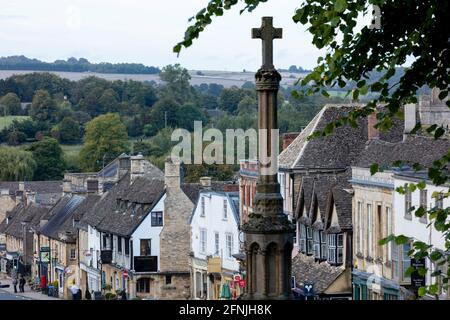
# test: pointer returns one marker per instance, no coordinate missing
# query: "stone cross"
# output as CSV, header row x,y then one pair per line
x,y
267,33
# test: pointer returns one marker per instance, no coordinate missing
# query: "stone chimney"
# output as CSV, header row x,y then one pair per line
x,y
67,186
205,182
172,176
410,118
21,186
372,132
124,164
288,138
137,168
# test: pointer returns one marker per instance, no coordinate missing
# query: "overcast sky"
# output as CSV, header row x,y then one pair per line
x,y
145,31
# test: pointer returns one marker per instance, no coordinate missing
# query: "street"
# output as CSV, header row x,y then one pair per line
x,y
4,295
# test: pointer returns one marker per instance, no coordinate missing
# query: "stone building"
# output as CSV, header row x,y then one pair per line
x,y
320,196
376,273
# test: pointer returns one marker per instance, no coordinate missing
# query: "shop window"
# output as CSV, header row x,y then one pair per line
x,y
143,285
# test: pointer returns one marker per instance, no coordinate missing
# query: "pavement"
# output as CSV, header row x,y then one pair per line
x,y
8,293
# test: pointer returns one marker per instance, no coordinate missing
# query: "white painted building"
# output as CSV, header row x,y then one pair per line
x,y
406,223
214,241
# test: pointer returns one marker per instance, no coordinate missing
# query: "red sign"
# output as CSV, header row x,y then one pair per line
x,y
125,274
237,277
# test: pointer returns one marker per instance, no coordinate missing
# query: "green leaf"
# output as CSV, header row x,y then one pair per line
x,y
384,241
433,289
355,94
421,185
325,93
435,255
422,291
374,168
409,271
401,239
340,5
439,132
377,86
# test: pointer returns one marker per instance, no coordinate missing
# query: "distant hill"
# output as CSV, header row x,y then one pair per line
x,y
74,65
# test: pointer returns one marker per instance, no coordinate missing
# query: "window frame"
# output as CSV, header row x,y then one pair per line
x,y
229,243
203,240
157,218
225,209
202,207
149,247
302,238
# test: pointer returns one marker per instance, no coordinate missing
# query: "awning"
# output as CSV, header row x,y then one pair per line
x,y
361,278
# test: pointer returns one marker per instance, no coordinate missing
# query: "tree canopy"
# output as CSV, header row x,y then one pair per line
x,y
105,138
49,159
16,164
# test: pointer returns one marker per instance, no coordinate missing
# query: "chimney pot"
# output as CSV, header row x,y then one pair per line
x,y
205,182
288,138
372,132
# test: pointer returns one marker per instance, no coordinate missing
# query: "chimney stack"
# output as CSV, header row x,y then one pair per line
x,y
410,118
205,182
288,138
172,176
372,132
67,186
124,164
136,167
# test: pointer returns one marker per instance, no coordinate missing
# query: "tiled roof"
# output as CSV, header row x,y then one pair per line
x,y
415,149
34,186
124,216
12,214
321,275
322,192
61,212
30,215
337,150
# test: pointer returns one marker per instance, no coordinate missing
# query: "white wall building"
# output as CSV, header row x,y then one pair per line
x,y
214,236
406,223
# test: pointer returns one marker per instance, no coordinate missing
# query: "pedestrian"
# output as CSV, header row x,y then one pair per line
x,y
15,284
123,295
22,283
75,290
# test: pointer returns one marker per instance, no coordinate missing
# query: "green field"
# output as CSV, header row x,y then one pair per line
x,y
6,121
71,150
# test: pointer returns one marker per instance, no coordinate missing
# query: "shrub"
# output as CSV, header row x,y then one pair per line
x,y
110,296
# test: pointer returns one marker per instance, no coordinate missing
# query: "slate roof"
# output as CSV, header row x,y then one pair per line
x,y
30,215
322,192
59,214
124,206
12,214
415,149
34,186
337,150
106,203
321,275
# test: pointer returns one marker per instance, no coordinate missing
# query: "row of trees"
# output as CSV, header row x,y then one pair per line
x,y
74,65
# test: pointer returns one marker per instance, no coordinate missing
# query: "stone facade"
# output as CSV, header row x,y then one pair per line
x,y
175,235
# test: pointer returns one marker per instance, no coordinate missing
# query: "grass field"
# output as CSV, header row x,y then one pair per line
x,y
71,150
6,121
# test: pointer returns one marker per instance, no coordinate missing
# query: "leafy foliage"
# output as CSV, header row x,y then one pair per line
x,y
106,138
16,164
49,159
